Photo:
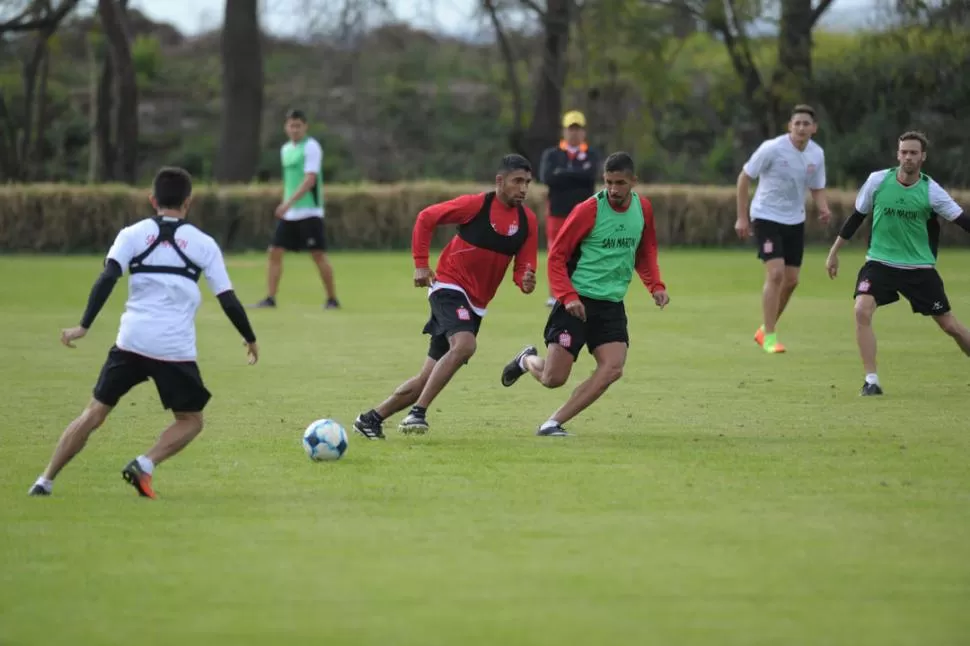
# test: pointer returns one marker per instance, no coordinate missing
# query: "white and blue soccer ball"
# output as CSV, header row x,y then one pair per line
x,y
325,439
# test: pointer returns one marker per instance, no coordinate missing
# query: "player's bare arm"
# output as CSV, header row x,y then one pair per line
x,y
743,224
822,203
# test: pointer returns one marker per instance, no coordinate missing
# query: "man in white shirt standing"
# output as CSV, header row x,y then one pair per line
x,y
300,214
785,167
164,257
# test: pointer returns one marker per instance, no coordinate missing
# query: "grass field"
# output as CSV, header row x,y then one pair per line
x,y
716,495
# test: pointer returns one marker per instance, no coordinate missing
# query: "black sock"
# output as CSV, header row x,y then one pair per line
x,y
374,415
419,411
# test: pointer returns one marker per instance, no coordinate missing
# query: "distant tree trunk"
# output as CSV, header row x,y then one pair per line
x,y
126,110
545,127
242,93
93,101
108,171
35,156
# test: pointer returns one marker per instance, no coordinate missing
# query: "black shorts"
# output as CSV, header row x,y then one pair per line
x,y
450,313
777,240
605,323
299,235
179,383
923,288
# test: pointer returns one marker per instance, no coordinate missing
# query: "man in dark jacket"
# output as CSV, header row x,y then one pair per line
x,y
570,171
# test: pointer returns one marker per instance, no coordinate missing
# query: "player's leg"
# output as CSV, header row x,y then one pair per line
x,y
794,245
875,286
370,424
607,338
285,238
564,336
610,359
119,374
926,294
461,346
181,390
315,240
452,319
771,252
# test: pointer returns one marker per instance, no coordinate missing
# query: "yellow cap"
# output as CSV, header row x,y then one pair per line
x,y
573,118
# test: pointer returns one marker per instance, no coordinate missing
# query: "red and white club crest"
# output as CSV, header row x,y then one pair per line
x,y
565,339
768,246
811,168
464,314
864,285
513,229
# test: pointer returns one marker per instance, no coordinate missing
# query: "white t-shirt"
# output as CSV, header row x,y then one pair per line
x,y
312,163
784,173
159,316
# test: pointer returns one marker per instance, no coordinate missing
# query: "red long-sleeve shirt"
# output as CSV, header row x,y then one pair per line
x,y
477,271
576,227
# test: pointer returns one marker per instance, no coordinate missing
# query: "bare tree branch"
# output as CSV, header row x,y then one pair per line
x,y
819,10
536,8
509,56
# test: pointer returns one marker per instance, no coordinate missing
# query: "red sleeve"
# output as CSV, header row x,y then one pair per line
x,y
576,227
646,262
457,211
528,255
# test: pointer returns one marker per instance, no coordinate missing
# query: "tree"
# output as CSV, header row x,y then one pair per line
x,y
118,81
19,152
242,93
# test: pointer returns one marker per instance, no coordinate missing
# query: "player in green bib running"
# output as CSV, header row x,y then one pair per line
x,y
906,206
300,214
602,243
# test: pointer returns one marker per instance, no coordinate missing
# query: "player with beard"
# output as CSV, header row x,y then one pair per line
x,y
906,206
494,229
591,264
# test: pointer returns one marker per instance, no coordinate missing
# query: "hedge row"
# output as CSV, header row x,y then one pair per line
x,y
65,218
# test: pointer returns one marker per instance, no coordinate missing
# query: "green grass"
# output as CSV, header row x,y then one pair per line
x,y
716,495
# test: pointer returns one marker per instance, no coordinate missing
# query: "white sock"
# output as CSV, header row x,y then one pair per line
x,y
45,483
871,378
548,424
522,362
146,465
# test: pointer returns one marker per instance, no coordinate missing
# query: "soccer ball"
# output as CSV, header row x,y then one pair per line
x,y
325,439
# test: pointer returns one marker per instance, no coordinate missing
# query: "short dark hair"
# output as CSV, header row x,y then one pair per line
x,y
299,115
915,135
619,162
172,187
512,163
803,108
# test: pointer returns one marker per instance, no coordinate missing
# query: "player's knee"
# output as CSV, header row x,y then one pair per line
x,y
949,325
194,420
552,380
463,346
791,282
95,414
863,312
610,374
775,275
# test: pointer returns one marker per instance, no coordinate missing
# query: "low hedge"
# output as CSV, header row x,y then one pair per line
x,y
68,218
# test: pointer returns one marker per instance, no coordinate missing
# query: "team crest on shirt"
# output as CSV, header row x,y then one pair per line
x,y
768,246
513,229
463,313
864,285
811,168
565,339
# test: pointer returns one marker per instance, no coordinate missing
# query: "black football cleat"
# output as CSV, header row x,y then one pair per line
x,y
868,390
512,370
369,426
552,431
38,490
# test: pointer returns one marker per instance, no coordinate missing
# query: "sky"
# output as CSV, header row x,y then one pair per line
x,y
455,17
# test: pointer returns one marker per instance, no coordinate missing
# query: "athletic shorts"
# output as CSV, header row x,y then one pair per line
x,y
777,240
307,234
923,288
605,323
450,313
179,383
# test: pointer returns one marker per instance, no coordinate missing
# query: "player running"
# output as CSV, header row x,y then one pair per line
x,y
493,228
785,167
604,240
905,205
164,256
